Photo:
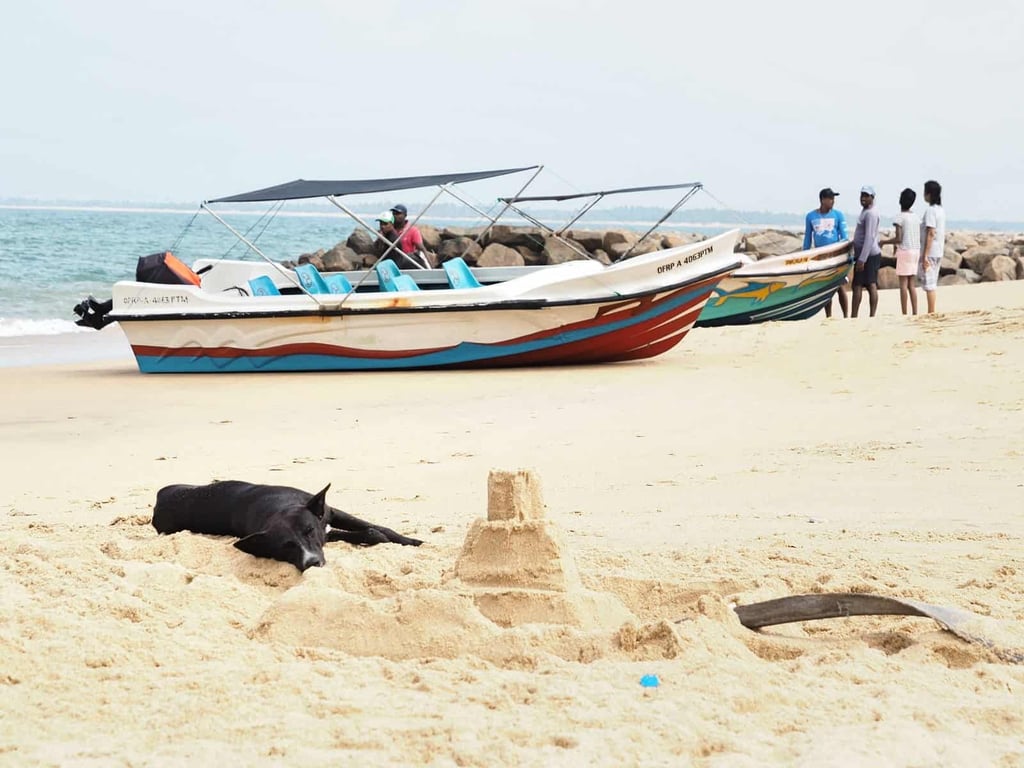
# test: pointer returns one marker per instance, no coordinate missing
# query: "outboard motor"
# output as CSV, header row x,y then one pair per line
x,y
163,267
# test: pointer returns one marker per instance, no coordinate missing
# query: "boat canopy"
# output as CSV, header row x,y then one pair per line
x,y
301,189
603,193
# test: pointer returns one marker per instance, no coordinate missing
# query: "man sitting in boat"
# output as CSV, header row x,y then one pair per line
x,y
411,240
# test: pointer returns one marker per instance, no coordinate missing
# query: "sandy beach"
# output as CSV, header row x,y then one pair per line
x,y
879,455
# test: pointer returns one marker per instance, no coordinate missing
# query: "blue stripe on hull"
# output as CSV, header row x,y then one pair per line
x,y
461,354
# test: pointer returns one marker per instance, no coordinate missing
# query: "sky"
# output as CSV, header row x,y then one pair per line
x,y
765,103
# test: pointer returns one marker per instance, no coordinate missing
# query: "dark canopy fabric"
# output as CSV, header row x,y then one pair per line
x,y
576,195
301,189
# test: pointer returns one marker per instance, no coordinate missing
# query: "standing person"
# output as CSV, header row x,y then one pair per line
x,y
410,239
908,249
867,251
933,241
824,226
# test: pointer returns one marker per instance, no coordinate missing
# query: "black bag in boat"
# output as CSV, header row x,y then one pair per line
x,y
165,268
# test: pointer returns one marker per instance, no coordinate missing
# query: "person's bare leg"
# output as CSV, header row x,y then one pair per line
x,y
857,293
931,301
828,307
873,299
844,302
904,294
912,283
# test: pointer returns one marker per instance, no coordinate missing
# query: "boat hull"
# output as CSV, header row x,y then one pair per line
x,y
792,287
588,332
577,313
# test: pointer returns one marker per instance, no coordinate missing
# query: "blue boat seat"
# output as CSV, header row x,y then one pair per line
x,y
391,278
338,283
263,286
459,275
311,279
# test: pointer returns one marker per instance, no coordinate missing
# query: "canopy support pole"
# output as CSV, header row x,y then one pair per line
x,y
541,225
585,210
289,275
689,193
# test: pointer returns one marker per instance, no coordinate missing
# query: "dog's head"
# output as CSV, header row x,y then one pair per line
x,y
295,534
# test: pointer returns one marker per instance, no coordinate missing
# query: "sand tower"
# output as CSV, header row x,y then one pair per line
x,y
517,567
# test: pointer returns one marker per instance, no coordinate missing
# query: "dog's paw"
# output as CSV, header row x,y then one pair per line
x,y
373,537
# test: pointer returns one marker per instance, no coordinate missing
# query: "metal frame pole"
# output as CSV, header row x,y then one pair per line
x,y
289,275
541,225
582,213
690,193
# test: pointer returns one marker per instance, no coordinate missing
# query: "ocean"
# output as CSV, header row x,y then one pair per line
x,y
50,259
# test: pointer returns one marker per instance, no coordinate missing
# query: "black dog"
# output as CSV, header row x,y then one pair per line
x,y
272,521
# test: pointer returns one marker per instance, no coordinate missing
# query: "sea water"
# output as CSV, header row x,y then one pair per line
x,y
50,259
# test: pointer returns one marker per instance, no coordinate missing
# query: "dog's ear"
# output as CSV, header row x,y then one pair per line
x,y
318,504
260,544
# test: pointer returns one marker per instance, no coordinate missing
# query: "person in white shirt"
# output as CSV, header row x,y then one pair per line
x,y
908,249
933,241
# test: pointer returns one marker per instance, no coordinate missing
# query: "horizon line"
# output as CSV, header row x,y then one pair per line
x,y
115,206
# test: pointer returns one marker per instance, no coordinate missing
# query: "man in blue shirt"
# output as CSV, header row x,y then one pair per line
x,y
824,226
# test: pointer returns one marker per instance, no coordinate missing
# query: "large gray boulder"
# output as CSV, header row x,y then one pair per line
x,y
466,247
960,241
514,236
316,259
498,255
677,239
1000,268
340,258
558,252
617,241
952,280
360,241
590,239
952,258
970,276
431,236
773,242
887,278
531,257
648,245
450,233
979,257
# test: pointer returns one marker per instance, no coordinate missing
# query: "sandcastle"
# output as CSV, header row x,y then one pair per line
x,y
517,568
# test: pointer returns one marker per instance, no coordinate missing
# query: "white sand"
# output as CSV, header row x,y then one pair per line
x,y
880,455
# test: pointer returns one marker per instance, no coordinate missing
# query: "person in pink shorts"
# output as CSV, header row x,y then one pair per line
x,y
908,249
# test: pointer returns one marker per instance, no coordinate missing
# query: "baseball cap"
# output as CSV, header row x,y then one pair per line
x,y
827,192
400,209
867,190
387,218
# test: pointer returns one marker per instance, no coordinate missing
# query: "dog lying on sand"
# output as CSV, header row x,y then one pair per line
x,y
272,521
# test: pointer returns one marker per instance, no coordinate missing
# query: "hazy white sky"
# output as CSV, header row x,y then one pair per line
x,y
765,102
